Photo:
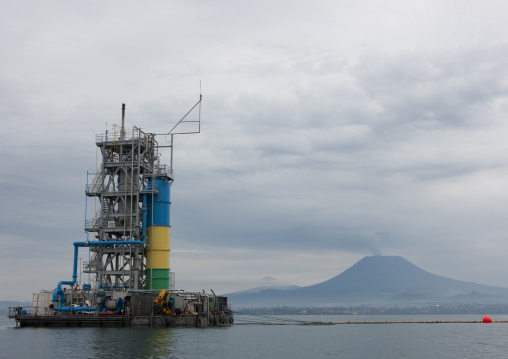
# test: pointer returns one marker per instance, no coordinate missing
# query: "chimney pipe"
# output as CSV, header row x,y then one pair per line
x,y
122,130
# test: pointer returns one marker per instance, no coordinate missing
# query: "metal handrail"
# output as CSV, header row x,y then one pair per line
x,y
163,169
116,134
153,189
17,310
94,222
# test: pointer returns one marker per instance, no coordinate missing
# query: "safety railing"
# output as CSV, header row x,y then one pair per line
x,y
94,223
13,311
162,169
116,134
154,188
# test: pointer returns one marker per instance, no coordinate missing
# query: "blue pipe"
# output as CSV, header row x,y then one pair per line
x,y
59,292
119,306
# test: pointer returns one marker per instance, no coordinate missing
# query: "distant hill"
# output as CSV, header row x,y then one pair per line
x,y
375,280
260,289
5,304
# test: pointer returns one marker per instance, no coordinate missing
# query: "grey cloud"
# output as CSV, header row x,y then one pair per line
x,y
316,133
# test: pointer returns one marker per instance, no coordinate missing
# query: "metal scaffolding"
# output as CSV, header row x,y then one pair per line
x,y
129,160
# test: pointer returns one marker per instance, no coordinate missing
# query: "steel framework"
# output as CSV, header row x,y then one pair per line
x,y
129,161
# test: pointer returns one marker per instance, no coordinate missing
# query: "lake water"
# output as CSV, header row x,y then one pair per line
x,y
446,340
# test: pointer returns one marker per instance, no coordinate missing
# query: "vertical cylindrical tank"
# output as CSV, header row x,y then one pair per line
x,y
157,231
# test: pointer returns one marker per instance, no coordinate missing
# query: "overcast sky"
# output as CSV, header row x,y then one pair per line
x,y
331,130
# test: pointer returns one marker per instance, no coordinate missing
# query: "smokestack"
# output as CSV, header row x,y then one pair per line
x,y
122,130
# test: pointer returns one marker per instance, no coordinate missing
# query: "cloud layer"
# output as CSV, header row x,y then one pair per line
x,y
330,131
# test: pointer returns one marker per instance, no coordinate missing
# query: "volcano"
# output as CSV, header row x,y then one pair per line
x,y
375,280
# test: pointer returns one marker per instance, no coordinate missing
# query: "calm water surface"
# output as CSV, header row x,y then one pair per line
x,y
267,341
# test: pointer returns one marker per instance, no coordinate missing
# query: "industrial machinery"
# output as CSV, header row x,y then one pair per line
x,y
128,237
163,304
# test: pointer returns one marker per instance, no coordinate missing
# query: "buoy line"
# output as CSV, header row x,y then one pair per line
x,y
374,322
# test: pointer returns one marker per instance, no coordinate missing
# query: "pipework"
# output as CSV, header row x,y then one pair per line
x,y
59,292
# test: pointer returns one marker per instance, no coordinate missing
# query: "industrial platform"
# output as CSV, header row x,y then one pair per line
x,y
127,277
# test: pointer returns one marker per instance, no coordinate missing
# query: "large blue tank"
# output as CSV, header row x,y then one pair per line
x,y
158,214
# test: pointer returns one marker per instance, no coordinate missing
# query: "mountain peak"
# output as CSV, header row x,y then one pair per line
x,y
387,272
376,279
378,259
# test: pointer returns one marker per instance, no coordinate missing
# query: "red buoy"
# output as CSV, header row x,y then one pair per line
x,y
487,319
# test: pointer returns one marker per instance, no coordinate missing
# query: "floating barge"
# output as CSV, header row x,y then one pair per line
x,y
135,309
129,282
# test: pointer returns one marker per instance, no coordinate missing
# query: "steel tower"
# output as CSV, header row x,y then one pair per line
x,y
129,182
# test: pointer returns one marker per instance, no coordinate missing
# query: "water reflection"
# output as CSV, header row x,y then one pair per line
x,y
262,341
130,343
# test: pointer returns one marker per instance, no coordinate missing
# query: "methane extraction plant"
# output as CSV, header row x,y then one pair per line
x,y
130,283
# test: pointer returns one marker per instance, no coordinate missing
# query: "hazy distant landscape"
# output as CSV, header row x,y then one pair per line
x,y
5,304
407,309
374,284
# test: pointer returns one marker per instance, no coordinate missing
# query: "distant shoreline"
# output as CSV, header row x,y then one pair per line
x,y
403,309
